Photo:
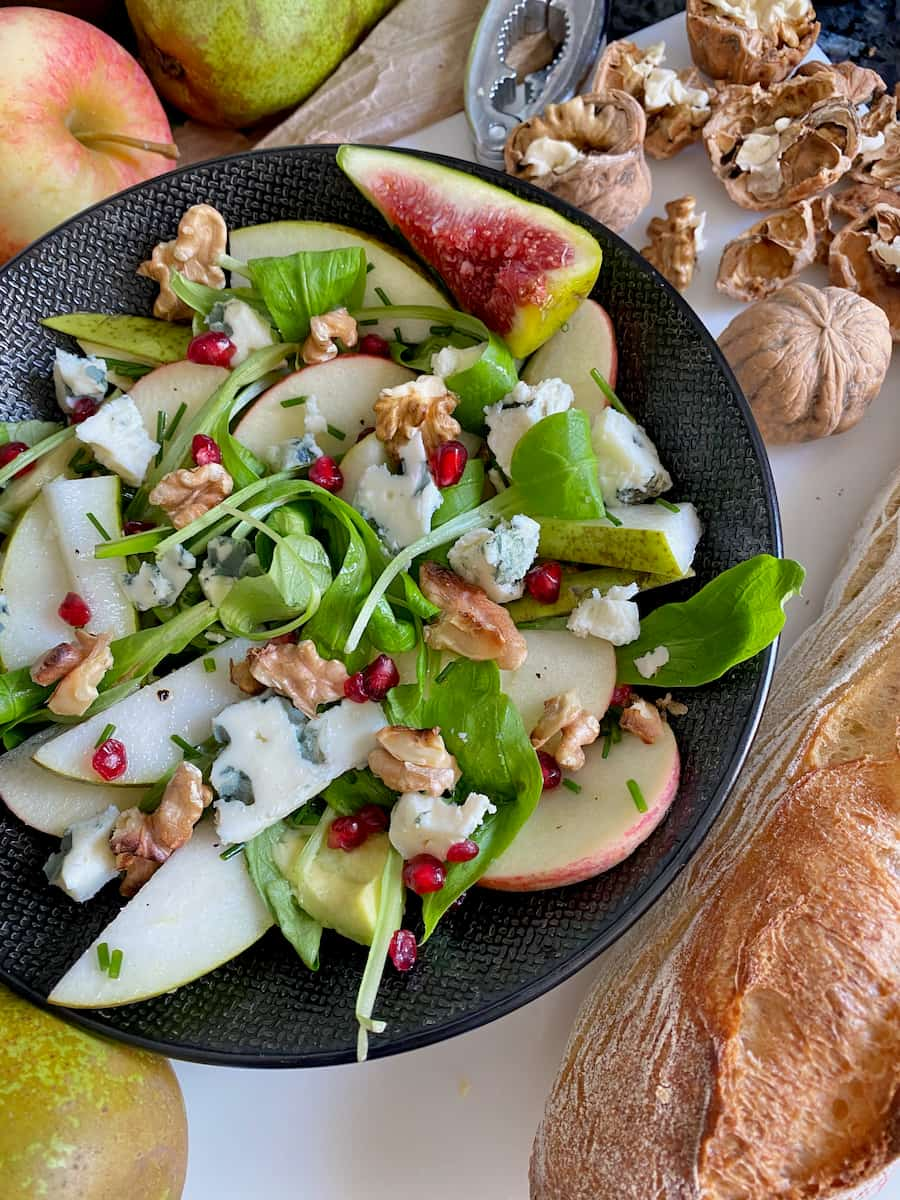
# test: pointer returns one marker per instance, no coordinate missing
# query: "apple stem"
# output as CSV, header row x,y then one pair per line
x,y
166,149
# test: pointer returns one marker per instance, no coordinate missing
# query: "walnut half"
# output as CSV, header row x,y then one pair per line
x,y
413,760
78,667
470,623
296,670
324,332
774,250
424,404
194,253
188,493
675,240
565,715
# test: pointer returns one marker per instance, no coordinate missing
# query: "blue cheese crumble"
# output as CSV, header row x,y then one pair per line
x,y
431,825
227,560
498,560
159,584
401,507
519,411
75,376
118,439
613,616
628,466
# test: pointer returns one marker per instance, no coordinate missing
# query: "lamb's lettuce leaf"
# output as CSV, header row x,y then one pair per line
x,y
34,452
351,791
295,923
463,496
387,922
298,286
203,299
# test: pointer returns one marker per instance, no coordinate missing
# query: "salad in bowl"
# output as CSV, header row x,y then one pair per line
x,y
320,599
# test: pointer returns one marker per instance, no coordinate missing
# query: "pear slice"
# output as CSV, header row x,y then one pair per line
x,y
369,452
19,493
650,538
168,387
100,350
33,580
197,912
183,703
586,341
576,585
558,662
155,341
345,390
50,802
96,580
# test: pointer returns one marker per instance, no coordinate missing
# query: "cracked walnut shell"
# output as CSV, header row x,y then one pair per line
x,y
296,670
865,257
774,147
188,493
195,252
855,201
859,84
810,360
674,241
880,165
750,41
771,252
413,760
424,404
588,151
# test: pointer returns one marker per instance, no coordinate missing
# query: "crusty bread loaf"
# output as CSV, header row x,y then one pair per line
x,y
743,1039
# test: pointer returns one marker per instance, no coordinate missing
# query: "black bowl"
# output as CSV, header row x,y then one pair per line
x,y
496,951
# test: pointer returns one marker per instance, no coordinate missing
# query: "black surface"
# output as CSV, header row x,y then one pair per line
x,y
496,951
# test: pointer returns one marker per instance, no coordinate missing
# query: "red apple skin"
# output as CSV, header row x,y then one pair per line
x,y
62,76
614,350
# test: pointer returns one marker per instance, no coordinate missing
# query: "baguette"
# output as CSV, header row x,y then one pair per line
x,y
742,1040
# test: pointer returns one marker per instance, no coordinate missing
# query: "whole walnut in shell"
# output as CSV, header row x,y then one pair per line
x,y
589,151
865,257
750,41
772,147
775,249
810,360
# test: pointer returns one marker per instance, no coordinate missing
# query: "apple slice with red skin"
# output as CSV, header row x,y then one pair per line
x,y
170,386
586,341
345,389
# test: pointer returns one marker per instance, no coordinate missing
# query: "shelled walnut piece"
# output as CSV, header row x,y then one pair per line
x,y
423,404
774,250
865,257
76,669
324,332
773,147
296,670
566,716
676,104
809,360
588,151
188,493
675,241
194,253
413,760
469,623
642,719
750,41
143,841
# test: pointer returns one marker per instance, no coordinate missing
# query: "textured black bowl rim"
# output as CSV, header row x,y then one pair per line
x,y
658,884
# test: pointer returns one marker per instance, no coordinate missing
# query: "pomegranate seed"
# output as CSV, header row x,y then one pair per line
x,y
137,527
373,818
73,610
424,873
110,759
621,696
84,407
380,676
355,688
327,474
463,851
204,450
346,833
12,450
543,582
374,343
550,770
403,950
213,349
448,463
283,639
365,433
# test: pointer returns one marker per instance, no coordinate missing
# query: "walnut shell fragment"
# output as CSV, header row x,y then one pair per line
x,y
773,147
865,257
858,199
750,41
859,85
878,162
810,360
588,151
675,240
774,250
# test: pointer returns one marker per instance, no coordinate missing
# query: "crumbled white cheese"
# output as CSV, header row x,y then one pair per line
x,y
648,664
518,411
613,616
227,560
551,156
74,377
118,439
159,584
431,825
294,453
767,15
451,360
628,466
243,324
314,420
663,88
498,560
887,252
401,506
85,863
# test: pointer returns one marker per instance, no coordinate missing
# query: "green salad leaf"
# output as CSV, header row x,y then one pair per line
x,y
19,694
729,620
300,570
351,791
461,497
203,299
295,923
297,286
388,920
29,432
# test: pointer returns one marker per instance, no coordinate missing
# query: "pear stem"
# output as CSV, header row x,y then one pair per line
x,y
166,149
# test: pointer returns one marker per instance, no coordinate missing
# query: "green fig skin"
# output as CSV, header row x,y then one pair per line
x,y
233,62
82,1118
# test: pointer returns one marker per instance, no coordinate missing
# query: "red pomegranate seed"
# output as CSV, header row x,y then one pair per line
x,y
110,759
463,851
448,463
373,818
550,770
213,349
380,676
73,610
327,474
355,688
374,343
621,696
346,833
424,873
12,450
365,433
543,582
403,950
84,407
283,639
204,450
137,527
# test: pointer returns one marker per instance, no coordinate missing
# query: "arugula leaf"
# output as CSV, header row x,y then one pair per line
x,y
29,432
388,920
729,620
203,299
298,286
351,791
295,923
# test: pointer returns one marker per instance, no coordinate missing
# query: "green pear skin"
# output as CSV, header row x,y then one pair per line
x,y
152,340
578,584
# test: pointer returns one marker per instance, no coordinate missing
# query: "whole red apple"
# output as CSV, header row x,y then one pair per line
x,y
75,112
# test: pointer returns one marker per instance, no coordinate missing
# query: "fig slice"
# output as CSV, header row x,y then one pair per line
x,y
521,268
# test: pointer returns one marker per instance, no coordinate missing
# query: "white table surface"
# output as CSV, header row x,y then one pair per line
x,y
460,1116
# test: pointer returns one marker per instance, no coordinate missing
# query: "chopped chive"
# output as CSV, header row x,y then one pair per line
x,y
440,330
160,434
383,296
611,397
209,665
667,504
182,744
571,785
370,321
398,334
103,956
294,402
115,964
637,795
612,518
370,267
337,433
231,851
96,524
616,734
176,421
607,745
107,733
